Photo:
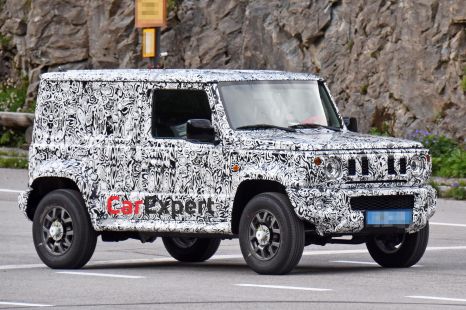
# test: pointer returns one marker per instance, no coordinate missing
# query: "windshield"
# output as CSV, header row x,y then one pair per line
x,y
278,103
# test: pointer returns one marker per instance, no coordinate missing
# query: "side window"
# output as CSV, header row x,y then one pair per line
x,y
172,108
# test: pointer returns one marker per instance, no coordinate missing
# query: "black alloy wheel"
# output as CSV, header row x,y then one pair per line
x,y
271,235
62,231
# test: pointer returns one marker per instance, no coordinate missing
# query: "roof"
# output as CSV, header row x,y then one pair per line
x,y
176,75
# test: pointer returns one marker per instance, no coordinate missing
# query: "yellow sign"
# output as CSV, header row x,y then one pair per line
x,y
148,42
151,13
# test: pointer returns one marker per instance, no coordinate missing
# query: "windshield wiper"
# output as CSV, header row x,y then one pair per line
x,y
302,126
266,126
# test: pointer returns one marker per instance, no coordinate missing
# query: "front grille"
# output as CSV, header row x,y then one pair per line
x,y
391,165
382,202
365,166
351,167
403,165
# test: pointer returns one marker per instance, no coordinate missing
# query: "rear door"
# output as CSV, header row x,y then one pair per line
x,y
182,174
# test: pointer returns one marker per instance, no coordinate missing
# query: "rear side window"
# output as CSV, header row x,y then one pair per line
x,y
172,108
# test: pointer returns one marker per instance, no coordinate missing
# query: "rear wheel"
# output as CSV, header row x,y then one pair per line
x,y
399,251
62,232
187,249
271,235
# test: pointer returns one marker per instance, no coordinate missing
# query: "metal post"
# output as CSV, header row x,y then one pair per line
x,y
157,48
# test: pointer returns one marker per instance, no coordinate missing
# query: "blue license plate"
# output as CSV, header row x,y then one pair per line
x,y
402,217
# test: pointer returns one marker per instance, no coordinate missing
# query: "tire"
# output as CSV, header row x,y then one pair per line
x,y
192,250
399,251
271,235
62,231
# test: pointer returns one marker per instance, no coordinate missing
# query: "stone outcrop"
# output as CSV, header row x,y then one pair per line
x,y
395,65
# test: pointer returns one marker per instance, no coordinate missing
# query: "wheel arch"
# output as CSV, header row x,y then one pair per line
x,y
246,191
42,186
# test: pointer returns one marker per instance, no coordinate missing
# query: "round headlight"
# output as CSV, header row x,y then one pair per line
x,y
333,168
417,165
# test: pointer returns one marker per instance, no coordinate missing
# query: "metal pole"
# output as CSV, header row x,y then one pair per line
x,y
157,47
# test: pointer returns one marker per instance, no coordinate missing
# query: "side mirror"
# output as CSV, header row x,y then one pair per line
x,y
200,130
351,123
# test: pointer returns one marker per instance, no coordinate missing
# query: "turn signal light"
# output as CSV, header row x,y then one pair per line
x,y
317,161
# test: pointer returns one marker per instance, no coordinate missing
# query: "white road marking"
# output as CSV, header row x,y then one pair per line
x,y
287,287
361,262
24,266
447,224
100,274
215,257
438,298
332,252
6,190
445,248
22,304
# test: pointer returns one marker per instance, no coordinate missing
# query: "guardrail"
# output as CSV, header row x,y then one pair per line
x,y
18,120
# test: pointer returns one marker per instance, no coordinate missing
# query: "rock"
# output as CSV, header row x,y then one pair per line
x,y
57,35
15,26
112,37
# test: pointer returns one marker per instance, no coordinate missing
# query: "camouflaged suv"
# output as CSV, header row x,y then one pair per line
x,y
197,156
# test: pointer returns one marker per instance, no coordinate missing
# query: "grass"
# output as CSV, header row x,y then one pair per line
x,y
4,40
10,158
364,89
13,162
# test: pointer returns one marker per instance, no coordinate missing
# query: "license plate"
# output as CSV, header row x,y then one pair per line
x,y
389,218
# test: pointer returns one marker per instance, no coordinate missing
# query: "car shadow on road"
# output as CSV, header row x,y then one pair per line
x,y
303,269
233,267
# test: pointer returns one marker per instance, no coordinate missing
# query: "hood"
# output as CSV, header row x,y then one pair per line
x,y
319,139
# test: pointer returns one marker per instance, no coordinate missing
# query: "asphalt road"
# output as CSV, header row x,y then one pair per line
x,y
143,276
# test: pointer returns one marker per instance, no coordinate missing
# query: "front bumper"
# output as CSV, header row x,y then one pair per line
x,y
329,209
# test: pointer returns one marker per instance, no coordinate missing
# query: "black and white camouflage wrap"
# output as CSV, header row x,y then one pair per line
x,y
94,128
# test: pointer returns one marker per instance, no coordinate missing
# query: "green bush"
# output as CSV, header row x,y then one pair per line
x,y
458,193
448,156
439,146
451,166
383,131
12,138
13,95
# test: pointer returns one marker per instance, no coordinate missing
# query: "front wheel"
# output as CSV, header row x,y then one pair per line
x,y
271,236
185,249
399,251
